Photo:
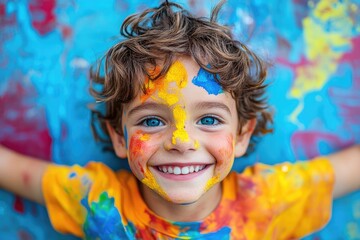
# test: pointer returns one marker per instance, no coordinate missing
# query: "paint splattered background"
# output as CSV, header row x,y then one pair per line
x,y
47,47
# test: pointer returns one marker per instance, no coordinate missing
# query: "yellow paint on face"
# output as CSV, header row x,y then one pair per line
x,y
144,137
196,144
180,118
214,180
150,181
169,92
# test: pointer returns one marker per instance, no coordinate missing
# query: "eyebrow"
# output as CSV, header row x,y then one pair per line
x,y
209,105
144,106
198,106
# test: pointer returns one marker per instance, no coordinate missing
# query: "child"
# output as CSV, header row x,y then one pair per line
x,y
182,100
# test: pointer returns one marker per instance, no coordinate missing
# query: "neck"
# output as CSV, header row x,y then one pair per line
x,y
190,212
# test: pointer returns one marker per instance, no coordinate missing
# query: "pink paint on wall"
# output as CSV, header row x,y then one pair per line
x,y
308,142
43,18
24,122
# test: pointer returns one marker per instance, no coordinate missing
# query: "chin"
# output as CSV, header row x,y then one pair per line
x,y
182,199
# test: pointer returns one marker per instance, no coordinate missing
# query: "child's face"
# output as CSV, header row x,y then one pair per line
x,y
182,135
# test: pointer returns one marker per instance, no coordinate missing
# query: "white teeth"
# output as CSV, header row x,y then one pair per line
x,y
177,170
185,170
181,170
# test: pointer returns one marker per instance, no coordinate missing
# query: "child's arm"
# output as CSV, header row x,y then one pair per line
x,y
21,174
346,164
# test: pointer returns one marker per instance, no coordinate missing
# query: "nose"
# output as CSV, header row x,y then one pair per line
x,y
180,142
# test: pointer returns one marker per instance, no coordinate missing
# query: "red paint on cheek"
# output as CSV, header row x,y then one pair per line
x,y
137,145
141,168
226,150
138,152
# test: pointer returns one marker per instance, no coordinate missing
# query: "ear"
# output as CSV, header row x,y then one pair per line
x,y
243,137
118,141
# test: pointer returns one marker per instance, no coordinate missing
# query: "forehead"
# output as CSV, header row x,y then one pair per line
x,y
182,73
185,87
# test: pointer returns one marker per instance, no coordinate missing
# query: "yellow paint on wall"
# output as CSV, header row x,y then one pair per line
x,y
353,230
327,35
322,45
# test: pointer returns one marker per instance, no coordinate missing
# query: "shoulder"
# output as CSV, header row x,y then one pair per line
x,y
315,167
280,179
92,175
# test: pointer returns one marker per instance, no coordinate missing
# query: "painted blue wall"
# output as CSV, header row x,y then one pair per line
x,y
46,48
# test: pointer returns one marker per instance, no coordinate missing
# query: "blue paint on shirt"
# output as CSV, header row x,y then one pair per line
x,y
103,220
72,175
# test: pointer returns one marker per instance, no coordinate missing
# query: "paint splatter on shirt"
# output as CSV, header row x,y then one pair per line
x,y
285,201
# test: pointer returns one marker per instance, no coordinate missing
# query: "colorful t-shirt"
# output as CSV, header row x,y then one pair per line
x,y
285,201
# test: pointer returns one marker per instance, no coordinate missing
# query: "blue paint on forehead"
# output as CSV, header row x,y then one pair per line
x,y
207,81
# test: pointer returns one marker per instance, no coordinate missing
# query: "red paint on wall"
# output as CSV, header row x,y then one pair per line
x,y
24,235
66,31
24,127
19,205
352,57
43,18
23,122
308,142
7,19
2,9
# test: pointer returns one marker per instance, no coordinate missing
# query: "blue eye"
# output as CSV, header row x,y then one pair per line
x,y
152,122
209,121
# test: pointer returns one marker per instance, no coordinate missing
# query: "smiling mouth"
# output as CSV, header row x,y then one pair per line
x,y
181,170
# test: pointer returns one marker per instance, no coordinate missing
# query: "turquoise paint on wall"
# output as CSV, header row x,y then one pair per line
x,y
47,47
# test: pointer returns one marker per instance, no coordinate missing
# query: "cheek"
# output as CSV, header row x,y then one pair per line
x,y
141,146
223,151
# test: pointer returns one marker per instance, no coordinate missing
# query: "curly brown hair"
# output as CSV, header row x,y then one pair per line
x,y
164,33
